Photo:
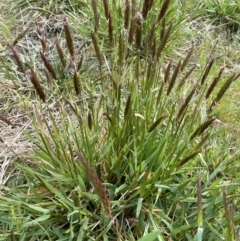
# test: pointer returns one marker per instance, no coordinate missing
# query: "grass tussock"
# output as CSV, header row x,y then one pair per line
x,y
126,132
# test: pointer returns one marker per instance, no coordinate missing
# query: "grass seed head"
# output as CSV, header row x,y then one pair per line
x,y
68,36
185,103
96,15
48,76
76,80
48,65
61,54
202,128
96,182
42,38
206,72
229,216
106,9
96,47
138,38
36,83
214,83
163,10
147,5
110,30
174,77
18,60
188,56
126,14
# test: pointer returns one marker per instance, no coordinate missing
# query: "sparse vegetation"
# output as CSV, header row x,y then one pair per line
x,y
133,134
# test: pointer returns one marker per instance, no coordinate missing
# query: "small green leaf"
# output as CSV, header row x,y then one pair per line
x,y
37,220
150,236
139,207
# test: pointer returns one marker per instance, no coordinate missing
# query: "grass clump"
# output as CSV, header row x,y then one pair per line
x,y
224,12
131,151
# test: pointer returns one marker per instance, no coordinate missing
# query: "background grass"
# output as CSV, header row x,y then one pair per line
x,y
127,143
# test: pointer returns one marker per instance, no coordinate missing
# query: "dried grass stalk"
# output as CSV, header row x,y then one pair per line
x,y
97,184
